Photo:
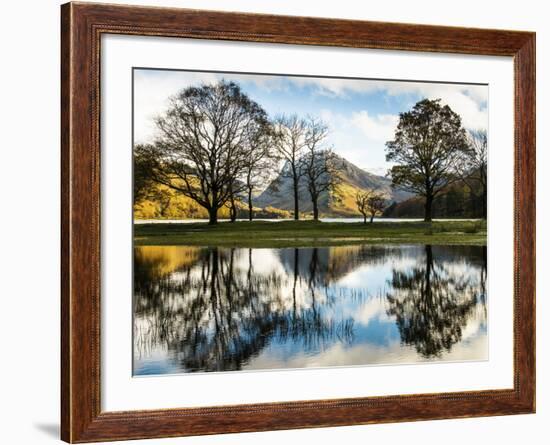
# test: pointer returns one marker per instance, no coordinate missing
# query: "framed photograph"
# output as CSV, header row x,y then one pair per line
x,y
275,222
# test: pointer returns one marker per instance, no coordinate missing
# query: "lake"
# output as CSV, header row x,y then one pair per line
x,y
199,309
339,220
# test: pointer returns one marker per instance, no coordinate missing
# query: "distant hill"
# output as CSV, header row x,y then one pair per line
x,y
340,202
456,201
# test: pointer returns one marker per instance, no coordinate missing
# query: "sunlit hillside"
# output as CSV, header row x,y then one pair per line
x,y
164,203
341,200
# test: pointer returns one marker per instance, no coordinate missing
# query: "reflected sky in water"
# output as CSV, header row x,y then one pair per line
x,y
200,309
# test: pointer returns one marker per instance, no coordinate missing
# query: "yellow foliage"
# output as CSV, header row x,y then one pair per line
x,y
162,202
343,200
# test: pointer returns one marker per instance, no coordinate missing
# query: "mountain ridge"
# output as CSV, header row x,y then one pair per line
x,y
339,202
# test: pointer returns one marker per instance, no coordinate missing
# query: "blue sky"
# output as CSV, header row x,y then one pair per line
x,y
361,114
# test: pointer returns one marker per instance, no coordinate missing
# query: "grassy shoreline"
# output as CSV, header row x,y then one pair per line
x,y
310,233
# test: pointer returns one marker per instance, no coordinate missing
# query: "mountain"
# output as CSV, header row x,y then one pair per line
x,y
377,171
340,202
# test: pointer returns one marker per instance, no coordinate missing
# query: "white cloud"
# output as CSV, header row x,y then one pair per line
x,y
360,137
473,115
153,89
469,101
379,127
336,87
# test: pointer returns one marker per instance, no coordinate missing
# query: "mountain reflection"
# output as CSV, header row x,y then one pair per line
x,y
224,309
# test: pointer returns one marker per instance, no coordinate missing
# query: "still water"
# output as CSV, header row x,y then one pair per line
x,y
335,220
202,309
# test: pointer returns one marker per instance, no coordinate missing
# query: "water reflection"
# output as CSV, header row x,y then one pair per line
x,y
223,309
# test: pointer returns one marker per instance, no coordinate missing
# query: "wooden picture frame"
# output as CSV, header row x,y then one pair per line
x,y
82,26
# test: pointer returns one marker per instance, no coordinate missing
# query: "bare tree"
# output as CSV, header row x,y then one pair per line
x,y
258,166
361,202
473,166
376,205
318,163
290,143
428,142
370,203
203,142
231,203
255,170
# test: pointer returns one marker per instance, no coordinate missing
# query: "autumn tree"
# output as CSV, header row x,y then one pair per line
x,y
370,203
319,164
290,142
204,139
428,143
144,186
143,163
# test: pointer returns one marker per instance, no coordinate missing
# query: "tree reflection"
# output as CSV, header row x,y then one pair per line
x,y
216,314
333,263
220,309
432,303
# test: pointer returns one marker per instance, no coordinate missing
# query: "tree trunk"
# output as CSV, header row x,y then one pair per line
x,y
315,209
429,267
296,209
232,206
428,208
428,274
371,218
214,275
232,211
164,206
250,204
364,219
296,260
212,216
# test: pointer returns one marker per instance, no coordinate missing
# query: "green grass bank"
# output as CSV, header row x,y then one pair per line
x,y
310,233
